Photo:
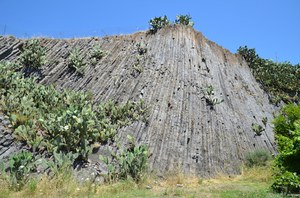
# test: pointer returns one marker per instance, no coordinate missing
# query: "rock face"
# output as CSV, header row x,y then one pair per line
x,y
172,76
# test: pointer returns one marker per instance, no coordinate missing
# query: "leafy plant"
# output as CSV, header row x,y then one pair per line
x,y
96,54
287,136
265,121
137,68
62,163
130,162
280,80
48,120
184,20
20,165
258,157
210,100
76,61
158,23
33,55
141,49
258,129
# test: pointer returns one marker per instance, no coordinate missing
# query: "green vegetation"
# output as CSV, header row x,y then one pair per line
x,y
76,61
210,100
65,123
158,23
280,80
130,162
141,48
184,20
20,165
33,54
254,182
265,121
96,54
258,129
287,135
258,157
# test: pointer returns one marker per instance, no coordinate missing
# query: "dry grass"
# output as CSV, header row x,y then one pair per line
x,y
253,182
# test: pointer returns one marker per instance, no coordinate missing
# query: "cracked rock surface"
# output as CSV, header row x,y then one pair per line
x,y
184,131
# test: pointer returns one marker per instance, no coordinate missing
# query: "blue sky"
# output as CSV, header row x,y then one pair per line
x,y
272,27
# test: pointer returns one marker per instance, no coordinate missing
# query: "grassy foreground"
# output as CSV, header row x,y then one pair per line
x,y
253,182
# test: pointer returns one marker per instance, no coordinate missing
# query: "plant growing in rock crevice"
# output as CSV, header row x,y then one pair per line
x,y
20,165
209,97
33,54
76,61
129,162
184,20
258,129
95,54
158,23
50,121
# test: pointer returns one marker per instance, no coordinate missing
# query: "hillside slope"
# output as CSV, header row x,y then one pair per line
x,y
172,77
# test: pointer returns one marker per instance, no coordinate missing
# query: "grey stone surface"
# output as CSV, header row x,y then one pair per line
x,y
183,131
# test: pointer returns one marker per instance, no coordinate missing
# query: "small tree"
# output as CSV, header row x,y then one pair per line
x,y
287,135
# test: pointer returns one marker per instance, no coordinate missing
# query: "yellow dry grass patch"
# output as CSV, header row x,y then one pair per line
x,y
177,184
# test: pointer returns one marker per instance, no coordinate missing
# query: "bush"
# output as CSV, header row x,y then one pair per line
x,y
209,97
76,61
33,55
258,157
158,23
130,162
64,122
184,20
287,136
280,80
257,129
20,165
96,54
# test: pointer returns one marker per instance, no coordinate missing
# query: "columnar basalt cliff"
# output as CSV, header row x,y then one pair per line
x,y
185,130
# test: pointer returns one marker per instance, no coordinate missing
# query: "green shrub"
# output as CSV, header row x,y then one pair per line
x,y
258,157
287,136
184,20
76,61
20,165
33,55
258,129
280,80
48,120
157,23
96,54
130,162
61,164
209,97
